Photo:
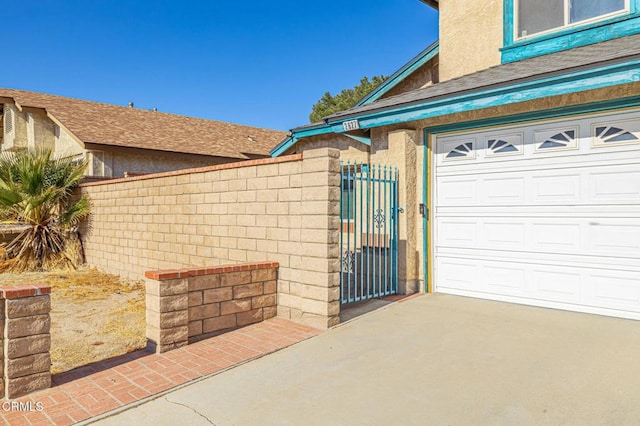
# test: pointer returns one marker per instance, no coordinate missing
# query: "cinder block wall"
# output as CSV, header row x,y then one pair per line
x,y
283,210
187,305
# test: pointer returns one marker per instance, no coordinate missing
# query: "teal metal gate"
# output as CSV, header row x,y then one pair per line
x,y
369,231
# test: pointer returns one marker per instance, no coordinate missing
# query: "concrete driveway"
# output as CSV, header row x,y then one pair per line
x,y
435,360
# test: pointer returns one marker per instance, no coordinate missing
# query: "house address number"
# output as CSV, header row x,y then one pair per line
x,y
351,125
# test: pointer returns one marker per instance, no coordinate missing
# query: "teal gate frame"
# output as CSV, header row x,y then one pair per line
x,y
368,232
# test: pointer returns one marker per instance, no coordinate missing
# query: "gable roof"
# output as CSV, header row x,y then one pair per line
x,y
399,76
105,124
601,65
582,58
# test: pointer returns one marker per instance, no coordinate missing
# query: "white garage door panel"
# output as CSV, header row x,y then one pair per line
x,y
597,184
612,186
589,236
576,288
546,214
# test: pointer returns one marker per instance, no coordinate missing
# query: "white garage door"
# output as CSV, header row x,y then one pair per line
x,y
545,214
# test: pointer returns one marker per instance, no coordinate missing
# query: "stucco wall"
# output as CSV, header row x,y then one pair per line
x,y
65,144
40,131
350,149
16,136
282,210
470,36
157,163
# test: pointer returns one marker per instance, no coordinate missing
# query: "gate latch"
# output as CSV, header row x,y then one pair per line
x,y
423,209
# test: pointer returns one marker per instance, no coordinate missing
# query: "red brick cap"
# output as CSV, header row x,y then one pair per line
x,y
27,290
172,274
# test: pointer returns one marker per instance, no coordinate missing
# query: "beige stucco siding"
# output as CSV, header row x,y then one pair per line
x,y
122,162
65,144
15,128
350,149
40,131
470,36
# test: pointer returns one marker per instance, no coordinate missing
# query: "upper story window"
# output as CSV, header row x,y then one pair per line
x,y
538,27
538,16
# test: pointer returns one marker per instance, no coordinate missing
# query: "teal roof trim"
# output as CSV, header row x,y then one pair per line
x,y
299,133
606,76
422,58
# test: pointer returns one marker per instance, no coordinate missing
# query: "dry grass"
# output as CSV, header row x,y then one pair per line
x,y
80,285
94,315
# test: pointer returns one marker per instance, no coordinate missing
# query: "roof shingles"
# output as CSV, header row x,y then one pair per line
x,y
106,124
619,49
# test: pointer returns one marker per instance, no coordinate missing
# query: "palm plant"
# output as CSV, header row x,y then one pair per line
x,y
37,190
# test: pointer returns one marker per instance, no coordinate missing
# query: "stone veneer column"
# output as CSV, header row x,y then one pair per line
x,y
27,361
402,153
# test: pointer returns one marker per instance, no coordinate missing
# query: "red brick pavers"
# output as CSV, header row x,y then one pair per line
x,y
101,387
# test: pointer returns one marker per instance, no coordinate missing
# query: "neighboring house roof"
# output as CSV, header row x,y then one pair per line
x,y
105,124
596,55
405,71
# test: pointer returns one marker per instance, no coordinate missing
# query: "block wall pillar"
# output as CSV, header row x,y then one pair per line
x,y
317,282
26,339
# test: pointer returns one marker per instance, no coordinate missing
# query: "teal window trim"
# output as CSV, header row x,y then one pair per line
x,y
566,37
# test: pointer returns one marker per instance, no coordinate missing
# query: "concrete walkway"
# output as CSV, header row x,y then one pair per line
x,y
436,360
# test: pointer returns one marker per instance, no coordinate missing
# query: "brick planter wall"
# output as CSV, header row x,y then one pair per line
x,y
26,340
187,305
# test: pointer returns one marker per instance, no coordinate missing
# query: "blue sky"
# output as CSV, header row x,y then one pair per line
x,y
252,62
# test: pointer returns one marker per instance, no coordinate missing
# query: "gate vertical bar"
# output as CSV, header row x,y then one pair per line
x,y
379,230
396,230
352,224
349,264
385,246
358,233
368,218
341,233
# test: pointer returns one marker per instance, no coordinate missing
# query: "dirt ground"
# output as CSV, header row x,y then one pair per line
x,y
94,316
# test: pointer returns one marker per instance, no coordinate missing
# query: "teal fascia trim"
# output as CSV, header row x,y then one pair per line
x,y
399,76
361,139
601,106
612,75
283,146
566,38
296,135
